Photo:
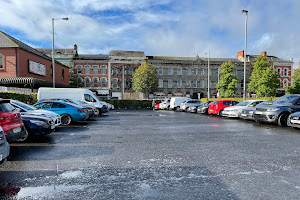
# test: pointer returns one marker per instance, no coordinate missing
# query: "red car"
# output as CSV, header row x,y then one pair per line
x,y
217,106
11,122
156,106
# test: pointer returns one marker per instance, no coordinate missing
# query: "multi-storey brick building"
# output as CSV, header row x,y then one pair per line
x,y
25,67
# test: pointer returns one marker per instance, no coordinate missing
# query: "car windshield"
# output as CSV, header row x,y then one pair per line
x,y
244,103
24,105
286,100
215,103
265,103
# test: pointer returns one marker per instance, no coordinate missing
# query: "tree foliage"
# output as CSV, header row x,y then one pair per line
x,y
228,80
264,80
73,77
295,87
145,79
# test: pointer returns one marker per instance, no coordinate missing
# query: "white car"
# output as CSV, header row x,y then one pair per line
x,y
165,104
28,109
234,111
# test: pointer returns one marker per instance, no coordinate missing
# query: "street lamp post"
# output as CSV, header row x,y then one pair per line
x,y
208,85
245,52
53,62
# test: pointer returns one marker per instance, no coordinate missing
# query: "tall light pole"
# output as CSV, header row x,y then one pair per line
x,y
208,76
245,52
53,62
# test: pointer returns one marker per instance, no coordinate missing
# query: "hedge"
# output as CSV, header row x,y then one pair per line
x,y
132,104
26,98
240,99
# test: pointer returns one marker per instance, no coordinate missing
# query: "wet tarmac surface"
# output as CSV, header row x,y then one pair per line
x,y
156,155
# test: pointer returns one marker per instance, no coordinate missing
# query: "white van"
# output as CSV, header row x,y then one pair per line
x,y
85,95
176,102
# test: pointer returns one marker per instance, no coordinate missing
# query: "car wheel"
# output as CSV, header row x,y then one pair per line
x,y
220,112
96,112
66,119
24,137
282,120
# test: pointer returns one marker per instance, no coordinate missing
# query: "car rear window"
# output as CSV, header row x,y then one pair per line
x,y
226,103
215,103
58,105
6,107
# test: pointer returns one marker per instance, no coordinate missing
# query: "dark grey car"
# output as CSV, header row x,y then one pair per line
x,y
279,111
203,108
4,147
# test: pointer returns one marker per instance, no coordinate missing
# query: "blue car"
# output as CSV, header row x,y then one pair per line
x,y
69,112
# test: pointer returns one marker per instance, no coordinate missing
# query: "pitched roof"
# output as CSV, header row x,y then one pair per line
x,y
57,51
7,41
127,53
91,57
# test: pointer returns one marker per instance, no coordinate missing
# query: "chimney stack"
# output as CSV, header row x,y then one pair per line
x,y
240,54
264,53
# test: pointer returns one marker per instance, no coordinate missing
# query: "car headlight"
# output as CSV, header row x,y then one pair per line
x,y
251,112
39,123
273,109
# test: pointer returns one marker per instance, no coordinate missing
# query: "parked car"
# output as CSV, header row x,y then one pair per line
x,y
175,102
69,112
92,110
294,120
11,122
28,109
235,111
203,108
193,109
218,106
279,111
156,107
188,103
4,147
85,95
37,126
247,113
166,104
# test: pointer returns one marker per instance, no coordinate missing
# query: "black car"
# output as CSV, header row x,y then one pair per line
x,y
279,111
203,108
37,125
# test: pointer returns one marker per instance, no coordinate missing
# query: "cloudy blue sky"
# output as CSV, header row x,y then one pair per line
x,y
157,27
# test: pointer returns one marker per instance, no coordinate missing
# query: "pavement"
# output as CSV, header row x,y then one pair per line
x,y
156,155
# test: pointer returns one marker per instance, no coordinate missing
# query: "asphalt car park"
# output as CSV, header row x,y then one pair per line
x,y
156,155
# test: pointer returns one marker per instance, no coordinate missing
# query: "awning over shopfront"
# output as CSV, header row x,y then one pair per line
x,y
28,82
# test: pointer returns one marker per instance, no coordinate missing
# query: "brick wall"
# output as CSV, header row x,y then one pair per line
x,y
9,62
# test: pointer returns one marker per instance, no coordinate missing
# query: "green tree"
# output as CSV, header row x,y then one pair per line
x,y
228,80
264,80
73,77
295,87
145,79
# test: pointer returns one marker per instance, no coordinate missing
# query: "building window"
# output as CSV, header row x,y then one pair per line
x,y
285,72
160,71
87,82
201,83
1,61
78,67
179,71
234,72
170,83
202,71
103,82
115,83
95,82
51,70
130,83
179,83
115,70
285,83
87,69
130,71
278,71
188,84
170,71
95,69
217,72
194,83
103,70
80,82
160,83
195,71
62,74
188,71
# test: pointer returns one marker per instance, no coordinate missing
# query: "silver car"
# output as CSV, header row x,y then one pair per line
x,y
4,147
28,109
189,103
234,111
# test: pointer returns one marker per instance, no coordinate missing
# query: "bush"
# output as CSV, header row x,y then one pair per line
x,y
241,99
26,98
132,104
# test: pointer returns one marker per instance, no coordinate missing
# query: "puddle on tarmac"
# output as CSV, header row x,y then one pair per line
x,y
70,174
48,191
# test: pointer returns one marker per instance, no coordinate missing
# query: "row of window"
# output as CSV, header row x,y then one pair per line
x,y
188,83
103,68
103,82
193,71
285,71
